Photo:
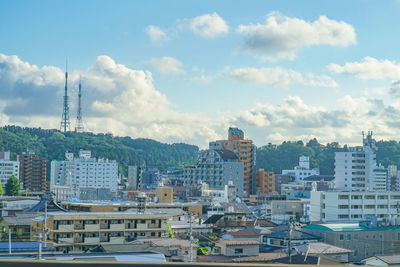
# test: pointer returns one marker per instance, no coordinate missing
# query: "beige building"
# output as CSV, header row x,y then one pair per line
x,y
246,247
165,194
81,231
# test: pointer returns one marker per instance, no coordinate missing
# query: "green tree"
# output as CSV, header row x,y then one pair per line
x,y
12,186
1,189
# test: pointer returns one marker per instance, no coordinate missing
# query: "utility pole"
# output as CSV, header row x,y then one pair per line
x,y
9,241
45,223
40,246
290,241
191,237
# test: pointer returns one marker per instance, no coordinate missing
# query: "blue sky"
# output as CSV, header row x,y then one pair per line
x,y
186,70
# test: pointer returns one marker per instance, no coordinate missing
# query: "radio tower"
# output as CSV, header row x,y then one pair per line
x,y
79,123
65,123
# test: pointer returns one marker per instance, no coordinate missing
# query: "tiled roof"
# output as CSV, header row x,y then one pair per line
x,y
262,257
238,242
296,235
392,259
226,154
244,234
19,219
213,219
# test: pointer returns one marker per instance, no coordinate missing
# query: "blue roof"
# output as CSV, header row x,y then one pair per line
x,y
23,246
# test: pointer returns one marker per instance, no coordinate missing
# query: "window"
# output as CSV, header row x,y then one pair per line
x,y
348,236
355,237
238,251
341,237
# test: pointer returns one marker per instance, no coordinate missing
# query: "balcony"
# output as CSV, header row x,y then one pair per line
x,y
79,227
117,240
65,241
118,227
142,226
91,240
92,227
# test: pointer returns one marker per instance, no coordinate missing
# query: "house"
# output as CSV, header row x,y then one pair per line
x,y
280,239
244,247
365,241
241,235
320,248
392,260
231,220
19,225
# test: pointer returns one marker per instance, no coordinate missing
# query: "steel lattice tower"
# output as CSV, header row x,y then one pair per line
x,y
79,122
65,122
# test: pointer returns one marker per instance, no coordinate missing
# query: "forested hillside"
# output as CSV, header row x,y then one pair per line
x,y
52,144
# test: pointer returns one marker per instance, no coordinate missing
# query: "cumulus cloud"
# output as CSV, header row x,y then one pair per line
x,y
282,37
166,65
395,89
116,99
207,26
156,34
369,69
293,119
279,77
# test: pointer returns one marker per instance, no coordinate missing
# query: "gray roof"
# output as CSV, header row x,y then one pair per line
x,y
392,259
226,154
296,235
321,248
20,219
320,178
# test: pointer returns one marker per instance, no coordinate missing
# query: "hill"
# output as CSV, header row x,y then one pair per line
x,y
52,144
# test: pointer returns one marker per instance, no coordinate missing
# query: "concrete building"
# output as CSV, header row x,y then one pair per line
x,y
7,168
232,248
81,231
363,240
282,211
84,172
245,150
132,177
32,172
280,179
265,182
393,178
302,171
216,168
165,194
355,206
227,194
143,177
356,169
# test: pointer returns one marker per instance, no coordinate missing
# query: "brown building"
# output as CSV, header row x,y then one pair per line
x,y
279,180
245,150
265,182
32,171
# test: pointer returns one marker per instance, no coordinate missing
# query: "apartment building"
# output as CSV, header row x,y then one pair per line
x,y
32,171
68,176
302,171
332,206
7,167
245,150
265,182
81,231
216,168
356,169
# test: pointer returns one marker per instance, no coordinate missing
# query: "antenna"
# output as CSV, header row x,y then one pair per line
x,y
79,122
65,123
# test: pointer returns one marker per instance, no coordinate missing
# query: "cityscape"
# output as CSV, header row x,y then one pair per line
x,y
203,134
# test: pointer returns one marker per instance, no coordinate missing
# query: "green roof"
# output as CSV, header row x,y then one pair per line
x,y
346,227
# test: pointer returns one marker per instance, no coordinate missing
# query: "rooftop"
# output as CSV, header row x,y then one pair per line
x,y
346,227
238,242
321,248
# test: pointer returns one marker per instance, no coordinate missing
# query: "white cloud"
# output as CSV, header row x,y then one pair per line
x,y
166,65
293,120
395,89
156,34
369,69
207,26
116,99
279,77
282,37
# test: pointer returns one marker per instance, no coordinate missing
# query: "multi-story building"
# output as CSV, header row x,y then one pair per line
x,y
32,171
7,167
302,171
393,181
265,182
81,231
143,177
332,206
365,241
216,168
356,169
246,153
73,174
280,179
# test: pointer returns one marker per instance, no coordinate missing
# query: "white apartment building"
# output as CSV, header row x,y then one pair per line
x,y
7,167
334,207
82,172
302,171
356,169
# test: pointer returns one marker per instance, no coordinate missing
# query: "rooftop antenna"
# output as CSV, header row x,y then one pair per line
x,y
65,123
79,123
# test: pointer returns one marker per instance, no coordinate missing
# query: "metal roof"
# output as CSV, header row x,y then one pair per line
x,y
23,246
346,227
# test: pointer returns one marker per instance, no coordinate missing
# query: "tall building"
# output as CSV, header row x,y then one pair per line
x,y
245,150
73,174
302,171
143,177
32,171
356,169
216,168
265,182
7,167
393,178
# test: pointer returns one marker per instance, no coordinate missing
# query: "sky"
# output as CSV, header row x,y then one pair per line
x,y
186,71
